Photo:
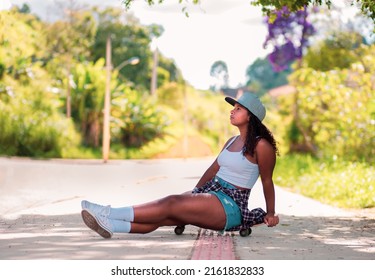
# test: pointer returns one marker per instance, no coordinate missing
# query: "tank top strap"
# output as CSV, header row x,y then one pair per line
x,y
231,141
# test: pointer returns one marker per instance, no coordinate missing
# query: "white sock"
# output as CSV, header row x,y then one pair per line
x,y
121,226
122,213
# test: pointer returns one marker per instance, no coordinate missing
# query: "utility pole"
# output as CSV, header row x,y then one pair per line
x,y
154,77
107,97
107,102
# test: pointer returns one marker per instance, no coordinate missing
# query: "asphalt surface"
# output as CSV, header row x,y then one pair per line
x,y
40,215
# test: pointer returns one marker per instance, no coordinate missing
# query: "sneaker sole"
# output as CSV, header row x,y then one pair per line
x,y
93,224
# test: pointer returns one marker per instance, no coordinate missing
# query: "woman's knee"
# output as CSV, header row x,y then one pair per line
x,y
177,206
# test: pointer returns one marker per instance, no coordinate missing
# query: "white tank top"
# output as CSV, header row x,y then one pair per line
x,y
236,169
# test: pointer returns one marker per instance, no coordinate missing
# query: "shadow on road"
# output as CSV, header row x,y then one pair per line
x,y
65,237
311,238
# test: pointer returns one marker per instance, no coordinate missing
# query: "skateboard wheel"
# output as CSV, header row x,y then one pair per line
x,y
179,230
245,232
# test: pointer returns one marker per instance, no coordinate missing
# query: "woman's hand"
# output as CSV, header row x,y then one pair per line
x,y
271,220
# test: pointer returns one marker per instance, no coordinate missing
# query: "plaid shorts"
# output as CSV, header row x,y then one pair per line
x,y
241,197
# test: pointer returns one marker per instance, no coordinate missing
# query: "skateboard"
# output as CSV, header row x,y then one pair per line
x,y
178,230
258,213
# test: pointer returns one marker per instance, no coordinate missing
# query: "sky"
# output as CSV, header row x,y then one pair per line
x,y
229,30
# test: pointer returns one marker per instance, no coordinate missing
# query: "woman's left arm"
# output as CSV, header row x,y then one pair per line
x,y
266,158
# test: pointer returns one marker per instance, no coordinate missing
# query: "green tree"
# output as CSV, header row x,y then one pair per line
x,y
339,50
172,72
24,45
73,35
69,40
131,39
219,70
25,9
128,39
261,77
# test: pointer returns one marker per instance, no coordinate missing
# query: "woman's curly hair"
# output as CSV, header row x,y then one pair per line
x,y
256,130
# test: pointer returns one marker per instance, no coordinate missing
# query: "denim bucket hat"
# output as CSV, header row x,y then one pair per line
x,y
251,102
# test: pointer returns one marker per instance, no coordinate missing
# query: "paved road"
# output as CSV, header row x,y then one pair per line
x,y
40,215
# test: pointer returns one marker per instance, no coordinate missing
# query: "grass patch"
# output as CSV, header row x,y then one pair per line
x,y
338,183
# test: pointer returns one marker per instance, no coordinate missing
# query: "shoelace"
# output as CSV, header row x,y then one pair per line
x,y
103,217
104,212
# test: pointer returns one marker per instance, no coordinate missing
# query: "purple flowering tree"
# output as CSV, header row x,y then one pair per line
x,y
288,33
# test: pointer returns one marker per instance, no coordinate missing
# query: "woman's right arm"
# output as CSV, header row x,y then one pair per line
x,y
209,174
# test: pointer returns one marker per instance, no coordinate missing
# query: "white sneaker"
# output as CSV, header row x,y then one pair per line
x,y
94,208
98,223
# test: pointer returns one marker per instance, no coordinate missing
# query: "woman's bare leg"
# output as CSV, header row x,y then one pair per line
x,y
146,228
203,210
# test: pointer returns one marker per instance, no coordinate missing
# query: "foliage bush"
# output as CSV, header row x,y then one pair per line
x,y
30,126
136,119
332,181
336,111
172,95
87,97
30,122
